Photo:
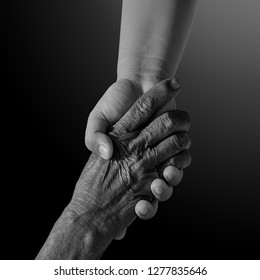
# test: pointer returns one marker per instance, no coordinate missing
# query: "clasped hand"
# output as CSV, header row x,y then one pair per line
x,y
116,101
108,190
107,193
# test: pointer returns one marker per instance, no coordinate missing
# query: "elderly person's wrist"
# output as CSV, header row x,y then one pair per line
x,y
77,236
102,222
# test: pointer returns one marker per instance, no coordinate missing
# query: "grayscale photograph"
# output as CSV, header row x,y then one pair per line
x,y
131,130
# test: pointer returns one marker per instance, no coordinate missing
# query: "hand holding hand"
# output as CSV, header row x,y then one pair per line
x,y
107,192
110,108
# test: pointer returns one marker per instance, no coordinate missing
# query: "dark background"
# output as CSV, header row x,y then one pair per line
x,y
61,57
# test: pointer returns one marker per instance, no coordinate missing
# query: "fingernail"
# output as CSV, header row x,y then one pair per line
x,y
144,211
175,84
103,151
166,176
158,190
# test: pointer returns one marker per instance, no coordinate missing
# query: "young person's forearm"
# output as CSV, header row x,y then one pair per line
x,y
153,37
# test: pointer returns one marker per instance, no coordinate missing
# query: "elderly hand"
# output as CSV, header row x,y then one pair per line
x,y
108,191
110,108
143,148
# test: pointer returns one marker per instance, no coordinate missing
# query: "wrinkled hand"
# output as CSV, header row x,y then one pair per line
x,y
109,190
110,108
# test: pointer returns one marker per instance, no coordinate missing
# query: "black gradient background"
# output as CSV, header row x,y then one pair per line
x,y
61,57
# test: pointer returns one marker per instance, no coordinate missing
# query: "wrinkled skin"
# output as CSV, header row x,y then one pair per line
x,y
110,189
116,101
107,191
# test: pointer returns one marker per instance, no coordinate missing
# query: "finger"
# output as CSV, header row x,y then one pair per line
x,y
95,138
148,104
169,106
172,146
146,210
161,190
166,149
171,169
120,235
172,175
180,161
163,126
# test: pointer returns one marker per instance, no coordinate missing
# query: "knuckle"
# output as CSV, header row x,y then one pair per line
x,y
145,137
182,141
150,157
144,105
154,153
177,120
167,120
120,127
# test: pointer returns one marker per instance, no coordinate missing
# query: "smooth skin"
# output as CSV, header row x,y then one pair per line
x,y
152,40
